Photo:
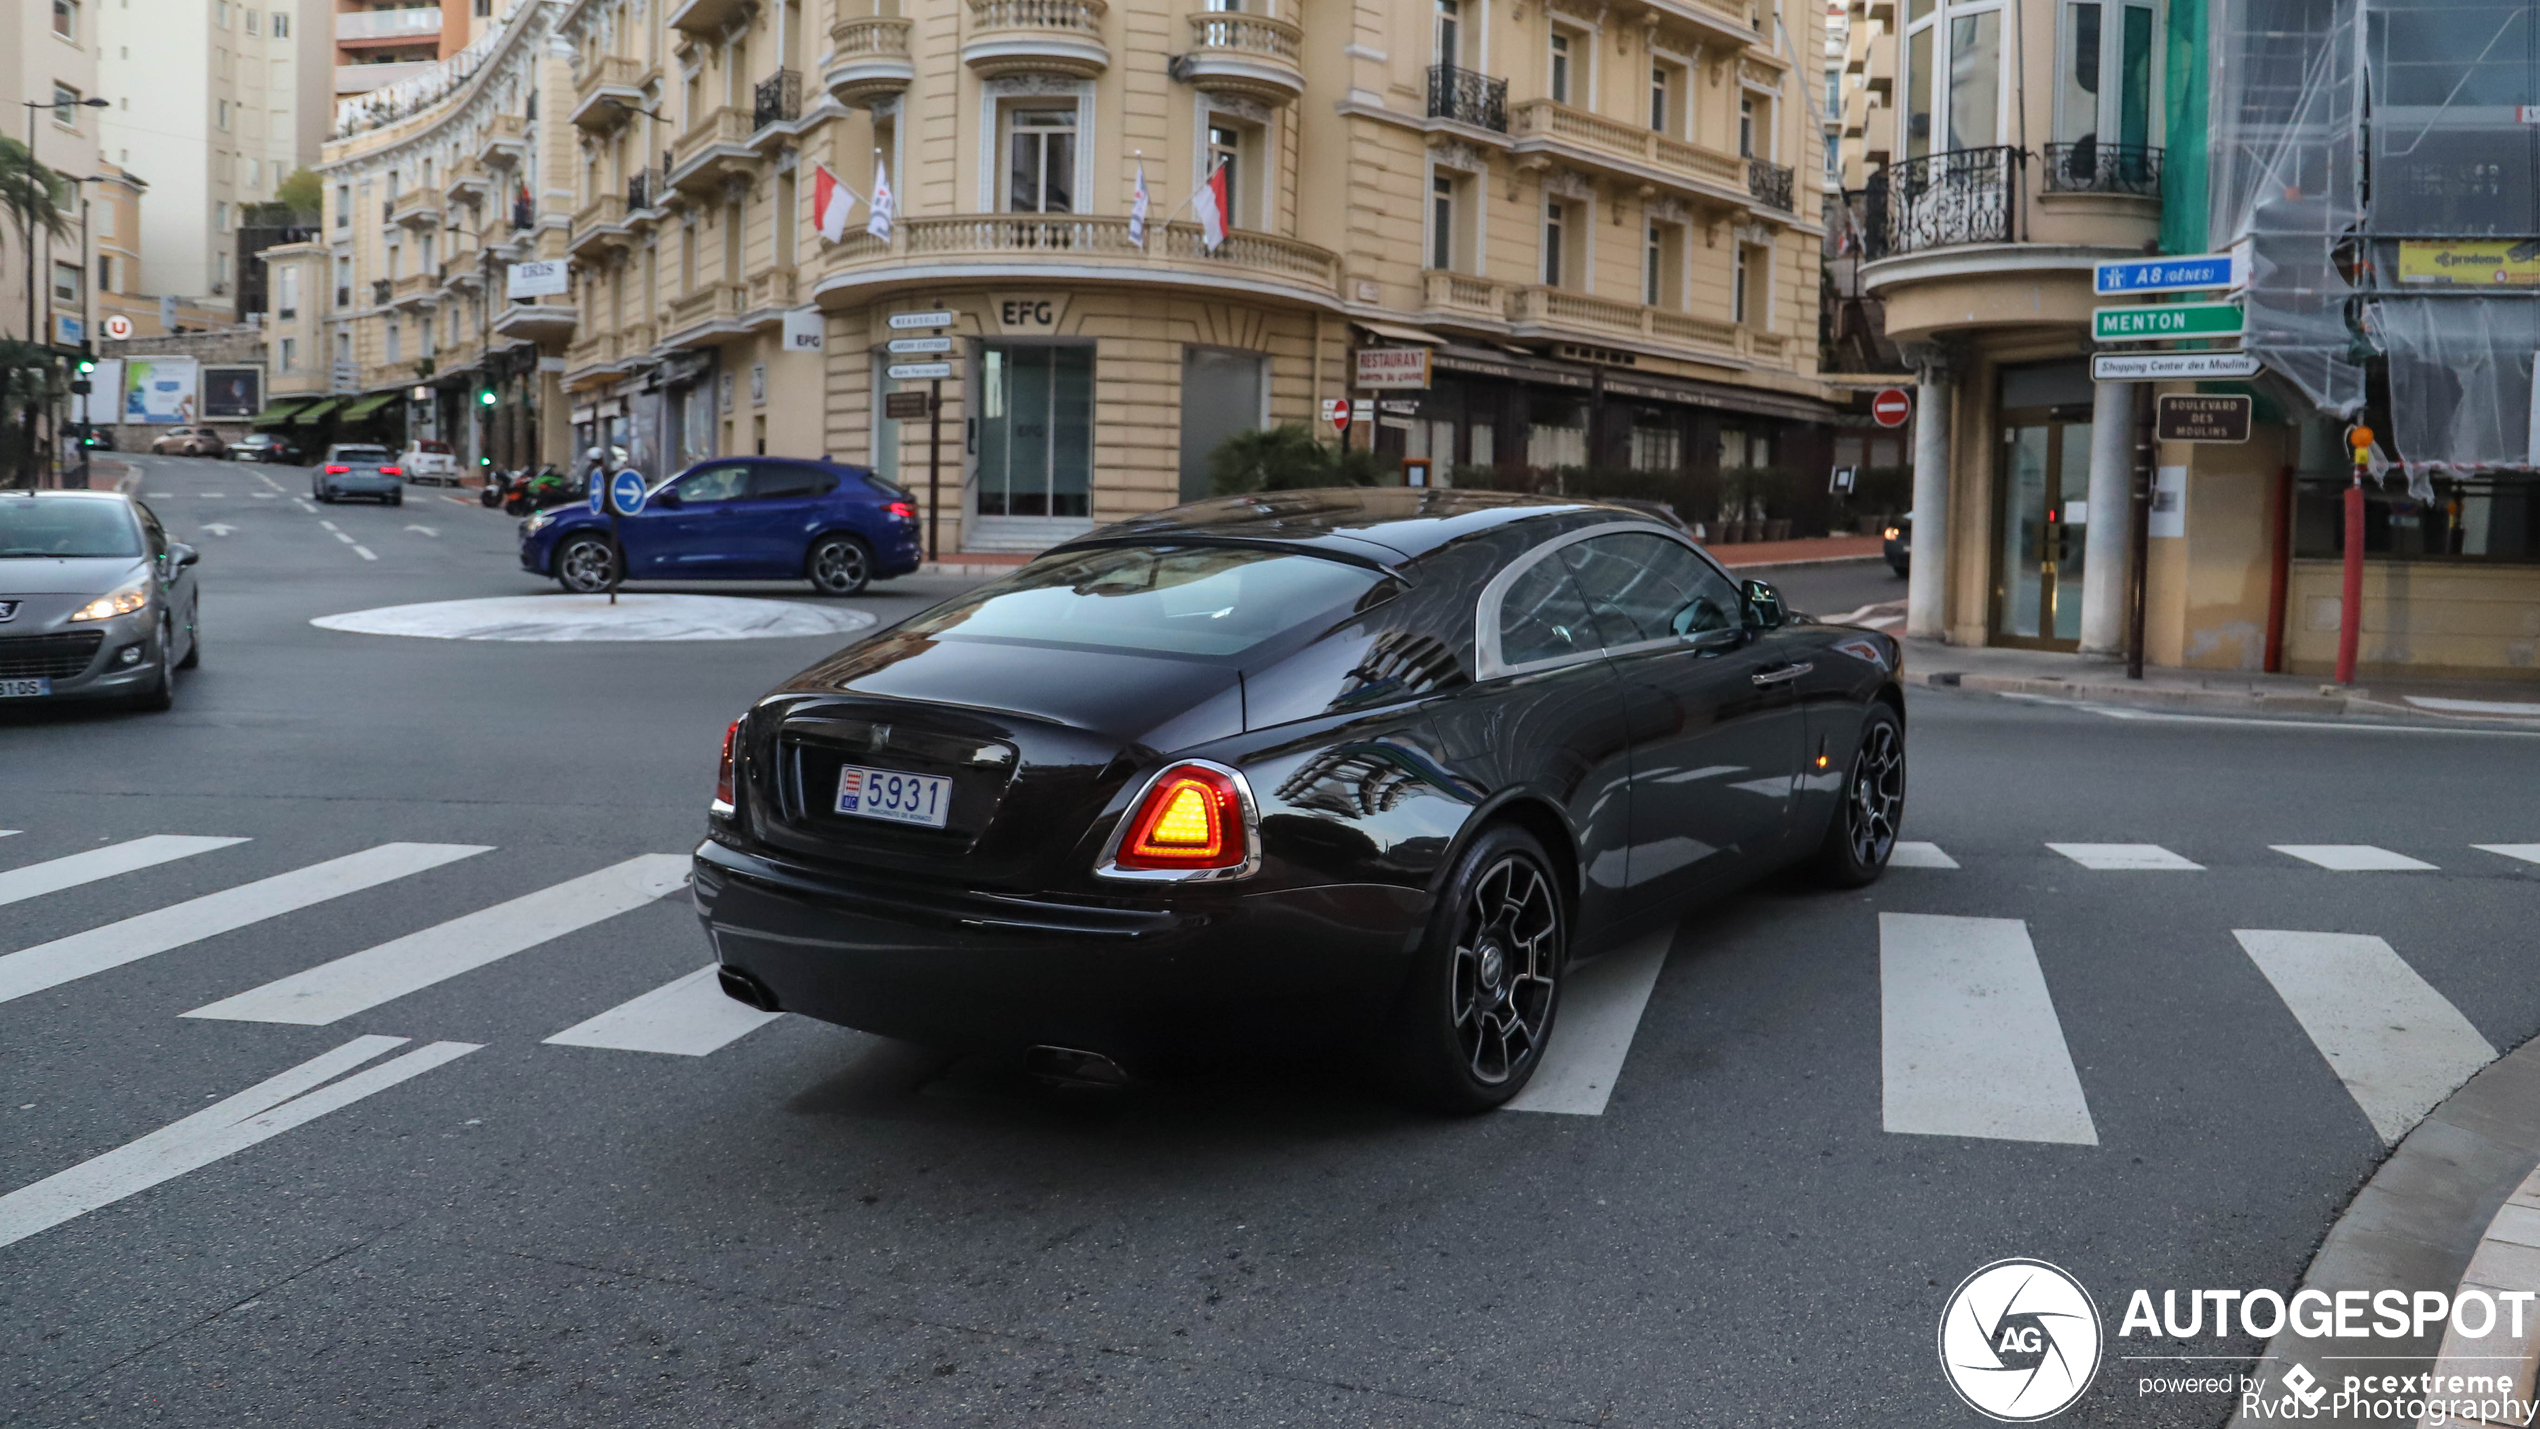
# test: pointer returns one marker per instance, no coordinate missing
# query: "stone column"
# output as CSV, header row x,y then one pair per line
x,y
2105,546
1927,580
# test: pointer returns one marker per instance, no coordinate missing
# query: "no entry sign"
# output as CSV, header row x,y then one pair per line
x,y
1891,407
1336,412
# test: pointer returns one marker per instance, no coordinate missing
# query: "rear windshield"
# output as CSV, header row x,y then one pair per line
x,y
435,448
66,528
361,453
888,487
1207,601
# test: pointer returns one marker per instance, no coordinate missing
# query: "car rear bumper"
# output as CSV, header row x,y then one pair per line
x,y
361,485
1138,984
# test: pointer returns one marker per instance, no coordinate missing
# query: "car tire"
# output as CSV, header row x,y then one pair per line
x,y
839,566
584,565
1486,984
396,498
1861,832
193,648
162,692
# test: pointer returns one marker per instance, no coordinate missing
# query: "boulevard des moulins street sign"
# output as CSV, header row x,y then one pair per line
x,y
2202,417
2160,322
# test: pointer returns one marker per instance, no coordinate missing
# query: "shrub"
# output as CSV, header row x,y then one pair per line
x,y
1286,458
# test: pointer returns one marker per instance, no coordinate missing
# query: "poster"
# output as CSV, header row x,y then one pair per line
x,y
105,394
160,390
2497,262
236,393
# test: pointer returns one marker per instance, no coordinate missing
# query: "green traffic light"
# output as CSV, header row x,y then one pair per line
x,y
486,397
87,365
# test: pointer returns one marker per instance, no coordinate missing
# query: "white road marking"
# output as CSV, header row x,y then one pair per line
x,y
425,530
1600,1011
687,1018
360,981
1881,622
2528,853
2397,1044
220,528
364,553
267,480
303,505
155,495
591,617
2125,856
148,934
2254,722
459,500
1910,853
340,536
264,495
2352,858
267,1109
5,833
1968,1038
331,526
75,869
2504,709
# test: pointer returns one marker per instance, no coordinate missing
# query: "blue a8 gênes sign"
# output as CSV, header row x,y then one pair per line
x,y
626,491
2165,275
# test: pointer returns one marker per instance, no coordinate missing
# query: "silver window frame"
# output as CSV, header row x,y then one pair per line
x,y
1487,663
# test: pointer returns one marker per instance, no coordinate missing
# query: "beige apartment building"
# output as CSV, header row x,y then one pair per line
x,y
1601,222
49,62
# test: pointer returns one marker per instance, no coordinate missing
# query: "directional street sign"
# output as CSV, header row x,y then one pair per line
x,y
599,494
2198,417
2171,366
920,344
2159,322
909,320
2165,275
905,406
919,371
626,492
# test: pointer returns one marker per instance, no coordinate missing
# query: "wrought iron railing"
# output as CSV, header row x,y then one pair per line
x,y
779,99
1770,183
379,290
2091,167
642,188
1963,196
1468,97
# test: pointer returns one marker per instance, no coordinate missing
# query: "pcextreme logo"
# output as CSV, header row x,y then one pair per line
x,y
2020,1341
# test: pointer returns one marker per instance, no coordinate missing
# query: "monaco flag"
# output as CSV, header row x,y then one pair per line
x,y
831,202
1210,206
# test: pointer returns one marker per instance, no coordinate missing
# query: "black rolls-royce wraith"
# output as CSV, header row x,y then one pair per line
x,y
1284,769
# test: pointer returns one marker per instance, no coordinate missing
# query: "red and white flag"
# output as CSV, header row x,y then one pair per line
x,y
878,223
1210,206
831,202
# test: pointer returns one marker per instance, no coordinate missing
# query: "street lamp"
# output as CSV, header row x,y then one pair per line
x,y
30,105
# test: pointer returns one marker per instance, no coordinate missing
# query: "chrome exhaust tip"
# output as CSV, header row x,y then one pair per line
x,y
743,988
1071,1067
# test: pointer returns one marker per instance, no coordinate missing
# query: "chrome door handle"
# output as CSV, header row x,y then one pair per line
x,y
1781,674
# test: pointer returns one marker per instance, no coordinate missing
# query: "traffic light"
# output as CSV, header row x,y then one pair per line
x,y
485,398
87,365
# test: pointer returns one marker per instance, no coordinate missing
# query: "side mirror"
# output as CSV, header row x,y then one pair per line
x,y
1763,604
667,498
182,555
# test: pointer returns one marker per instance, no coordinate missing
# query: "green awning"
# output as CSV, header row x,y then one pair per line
x,y
279,414
366,406
307,416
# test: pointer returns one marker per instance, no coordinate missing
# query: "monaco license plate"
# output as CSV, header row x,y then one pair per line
x,y
20,689
919,799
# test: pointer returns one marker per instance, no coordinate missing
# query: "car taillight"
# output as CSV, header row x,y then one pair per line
x,y
334,470
1194,818
724,783
391,471
902,510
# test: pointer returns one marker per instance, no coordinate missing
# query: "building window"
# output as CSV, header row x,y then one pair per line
x,y
286,286
290,354
1041,160
482,8
1653,274
1662,85
105,273
252,22
1226,151
2104,89
1559,83
66,282
1441,222
344,348
66,19
281,24
1450,32
343,281
1555,256
220,216
1834,91
1746,288
343,205
255,175
220,13
1746,126
65,106
220,113
396,340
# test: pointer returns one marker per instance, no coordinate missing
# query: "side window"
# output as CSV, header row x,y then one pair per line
x,y
715,483
770,481
1542,617
151,528
1646,587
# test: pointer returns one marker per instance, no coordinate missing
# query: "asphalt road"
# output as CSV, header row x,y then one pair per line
x,y
806,1225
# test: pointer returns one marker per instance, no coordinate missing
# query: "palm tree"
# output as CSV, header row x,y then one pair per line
x,y
39,200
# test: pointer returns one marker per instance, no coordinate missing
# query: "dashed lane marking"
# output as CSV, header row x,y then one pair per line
x,y
364,553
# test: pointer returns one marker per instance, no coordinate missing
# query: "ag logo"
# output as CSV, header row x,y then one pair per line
x,y
2019,1340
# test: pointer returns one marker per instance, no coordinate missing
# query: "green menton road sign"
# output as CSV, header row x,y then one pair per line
x,y
2160,321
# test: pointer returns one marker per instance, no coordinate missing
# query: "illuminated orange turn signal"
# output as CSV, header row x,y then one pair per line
x,y
1192,818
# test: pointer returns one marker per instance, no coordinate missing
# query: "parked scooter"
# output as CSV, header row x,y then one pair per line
x,y
498,486
548,488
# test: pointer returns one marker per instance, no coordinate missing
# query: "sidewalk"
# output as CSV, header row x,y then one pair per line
x,y
1813,551
2045,672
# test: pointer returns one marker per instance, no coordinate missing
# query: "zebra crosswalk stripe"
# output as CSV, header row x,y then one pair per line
x,y
2352,858
2124,857
360,981
1912,853
690,1017
1600,1013
1969,1042
72,870
2398,1045
98,949
2528,853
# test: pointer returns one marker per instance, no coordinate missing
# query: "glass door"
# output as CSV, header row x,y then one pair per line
x,y
2044,516
1036,427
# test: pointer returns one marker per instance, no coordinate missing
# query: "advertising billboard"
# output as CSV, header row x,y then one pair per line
x,y
160,390
235,393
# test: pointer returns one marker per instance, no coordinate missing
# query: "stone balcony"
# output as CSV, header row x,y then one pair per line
x,y
1053,37
600,224
416,208
711,312
468,182
542,322
607,91
1244,55
415,290
868,60
1079,248
505,142
1538,311
771,291
716,145
1542,127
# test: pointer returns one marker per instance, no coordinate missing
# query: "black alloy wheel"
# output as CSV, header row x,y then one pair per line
x,y
1862,833
586,565
839,565
1488,985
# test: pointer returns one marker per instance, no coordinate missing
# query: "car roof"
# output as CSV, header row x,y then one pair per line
x,y
1398,521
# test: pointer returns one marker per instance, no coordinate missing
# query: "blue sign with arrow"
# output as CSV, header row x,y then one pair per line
x,y
626,491
598,494
2165,275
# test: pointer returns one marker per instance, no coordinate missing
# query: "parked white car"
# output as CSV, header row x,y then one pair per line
x,y
429,463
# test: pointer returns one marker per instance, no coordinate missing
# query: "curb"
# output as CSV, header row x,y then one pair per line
x,y
2231,701
2457,1201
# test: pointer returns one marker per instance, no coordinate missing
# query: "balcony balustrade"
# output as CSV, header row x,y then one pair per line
x,y
708,149
777,99
1541,124
1944,200
1055,37
868,59
1770,183
606,91
1467,97
2090,167
1245,55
